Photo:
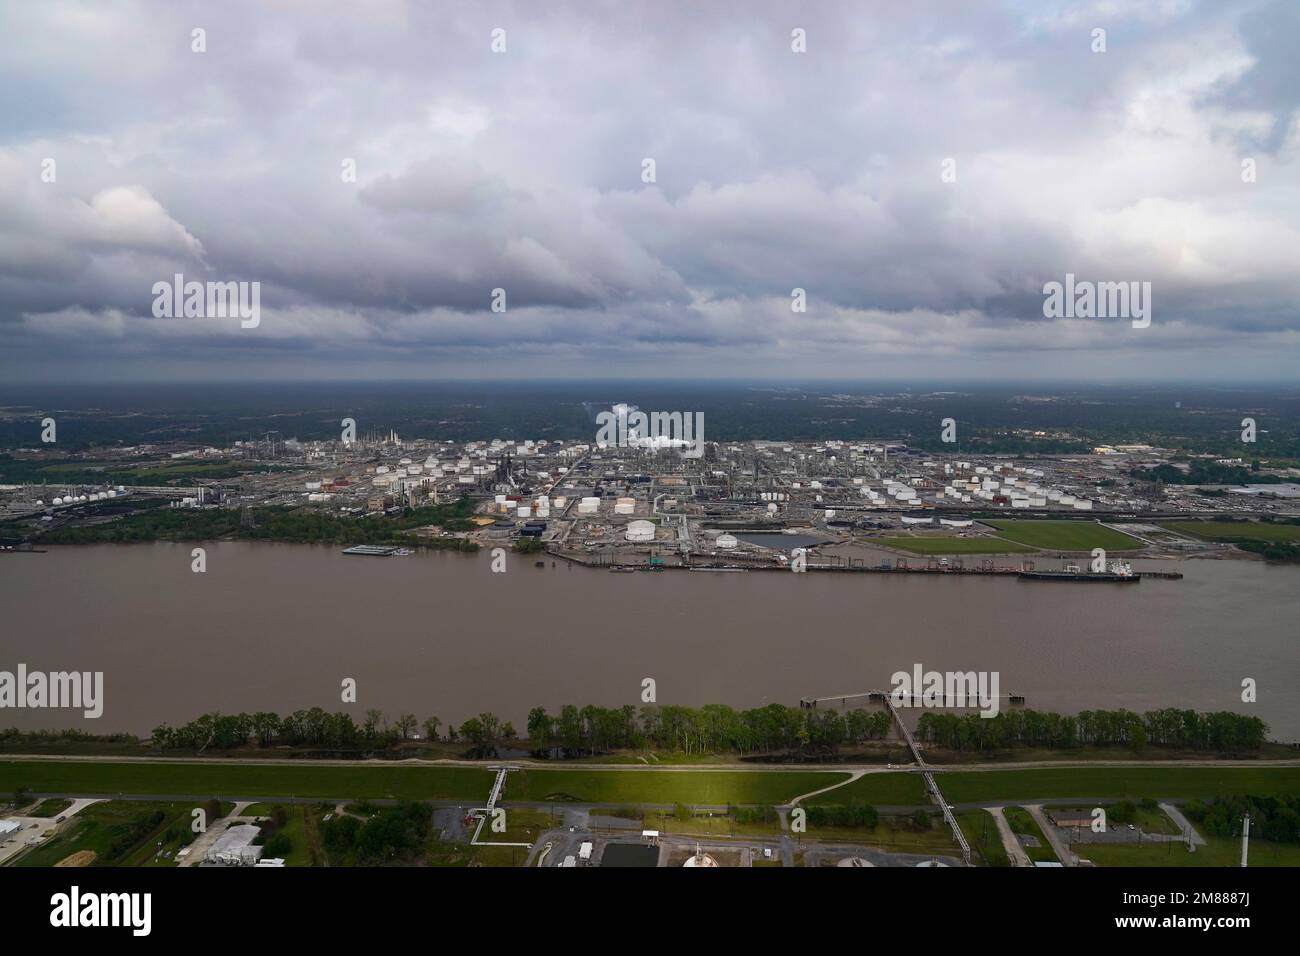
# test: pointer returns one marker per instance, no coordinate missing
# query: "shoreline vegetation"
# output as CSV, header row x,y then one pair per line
x,y
673,735
290,525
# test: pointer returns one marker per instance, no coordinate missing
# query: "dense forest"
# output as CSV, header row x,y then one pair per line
x,y
1271,818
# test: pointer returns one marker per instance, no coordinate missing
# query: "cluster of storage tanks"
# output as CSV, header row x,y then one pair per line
x,y
1021,487
539,507
75,499
590,505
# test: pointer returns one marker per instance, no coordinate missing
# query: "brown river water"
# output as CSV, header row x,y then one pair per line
x,y
278,627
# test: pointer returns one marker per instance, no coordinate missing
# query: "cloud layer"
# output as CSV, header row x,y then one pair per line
x,y
774,170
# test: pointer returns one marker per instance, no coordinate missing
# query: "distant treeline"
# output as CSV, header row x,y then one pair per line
x,y
1202,472
12,735
294,525
1221,731
1287,551
1271,818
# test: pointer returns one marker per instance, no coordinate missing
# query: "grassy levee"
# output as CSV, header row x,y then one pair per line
x,y
371,781
1117,782
712,787
240,780
1235,530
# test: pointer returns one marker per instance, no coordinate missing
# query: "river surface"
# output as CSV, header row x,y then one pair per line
x,y
278,627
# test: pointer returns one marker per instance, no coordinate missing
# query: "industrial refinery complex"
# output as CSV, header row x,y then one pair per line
x,y
870,505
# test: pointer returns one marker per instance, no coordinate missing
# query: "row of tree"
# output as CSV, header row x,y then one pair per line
x,y
713,728
575,731
303,728
1221,731
716,728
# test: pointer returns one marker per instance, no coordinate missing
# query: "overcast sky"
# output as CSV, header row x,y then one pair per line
x,y
775,170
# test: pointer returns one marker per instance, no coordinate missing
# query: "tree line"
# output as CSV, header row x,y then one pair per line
x,y
1221,731
574,731
717,728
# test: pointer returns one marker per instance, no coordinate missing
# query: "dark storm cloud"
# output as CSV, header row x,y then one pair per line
x,y
522,171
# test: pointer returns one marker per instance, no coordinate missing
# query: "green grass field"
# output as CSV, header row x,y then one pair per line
x,y
1235,530
410,783
245,780
1065,535
877,789
1116,782
714,787
49,808
981,832
951,545
1218,851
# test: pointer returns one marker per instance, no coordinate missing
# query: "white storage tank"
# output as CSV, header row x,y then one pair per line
x,y
640,531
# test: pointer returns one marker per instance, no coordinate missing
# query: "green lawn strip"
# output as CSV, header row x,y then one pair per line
x,y
1115,782
243,780
982,834
877,789
1218,851
50,808
715,787
1022,823
719,824
523,825
951,545
1235,530
295,828
1065,535
893,835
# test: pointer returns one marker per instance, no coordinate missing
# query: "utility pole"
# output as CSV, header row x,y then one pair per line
x,y
1245,837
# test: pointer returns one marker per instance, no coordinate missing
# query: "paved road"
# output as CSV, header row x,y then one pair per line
x,y
1059,846
1184,824
1015,852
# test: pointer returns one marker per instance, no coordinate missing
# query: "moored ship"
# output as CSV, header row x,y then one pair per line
x,y
1117,572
